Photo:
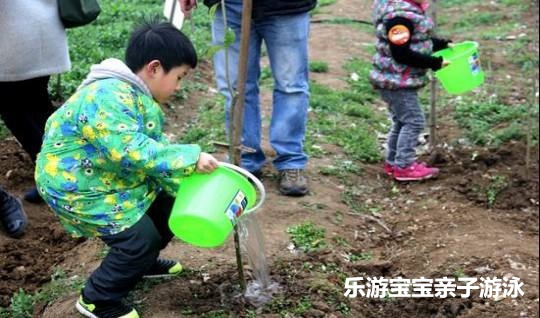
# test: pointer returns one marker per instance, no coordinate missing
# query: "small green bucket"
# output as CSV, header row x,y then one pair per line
x,y
464,72
207,206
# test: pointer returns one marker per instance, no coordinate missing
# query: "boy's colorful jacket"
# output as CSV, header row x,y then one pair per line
x,y
387,73
104,156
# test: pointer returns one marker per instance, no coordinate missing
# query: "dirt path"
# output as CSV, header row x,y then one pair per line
x,y
432,229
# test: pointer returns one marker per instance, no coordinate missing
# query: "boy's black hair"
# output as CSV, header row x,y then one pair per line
x,y
156,40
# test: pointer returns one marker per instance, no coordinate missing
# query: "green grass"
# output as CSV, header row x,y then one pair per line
x,y
22,303
108,35
4,132
307,237
492,124
496,185
318,67
209,126
346,117
321,4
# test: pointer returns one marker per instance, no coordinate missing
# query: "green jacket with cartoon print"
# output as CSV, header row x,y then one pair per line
x,y
105,158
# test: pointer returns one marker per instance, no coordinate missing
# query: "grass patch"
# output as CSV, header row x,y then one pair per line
x,y
307,237
492,124
208,127
318,67
108,35
321,4
496,185
4,132
22,303
346,118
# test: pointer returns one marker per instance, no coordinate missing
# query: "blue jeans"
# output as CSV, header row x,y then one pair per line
x,y
407,123
286,41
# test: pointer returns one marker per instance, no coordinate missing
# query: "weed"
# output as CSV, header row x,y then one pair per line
x,y
4,132
364,256
216,314
106,38
497,184
22,303
458,272
340,241
318,67
320,4
492,124
307,236
344,118
341,169
303,305
209,126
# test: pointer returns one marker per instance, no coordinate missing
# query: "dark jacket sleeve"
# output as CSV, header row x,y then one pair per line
x,y
403,53
440,44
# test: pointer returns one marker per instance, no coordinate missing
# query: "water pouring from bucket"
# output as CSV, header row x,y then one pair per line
x,y
207,208
209,205
464,72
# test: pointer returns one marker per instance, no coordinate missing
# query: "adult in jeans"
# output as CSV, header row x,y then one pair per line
x,y
33,45
283,26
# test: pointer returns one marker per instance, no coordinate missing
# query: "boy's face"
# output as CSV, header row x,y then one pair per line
x,y
163,85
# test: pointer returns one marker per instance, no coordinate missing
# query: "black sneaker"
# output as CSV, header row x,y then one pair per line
x,y
115,309
32,196
12,215
164,268
292,182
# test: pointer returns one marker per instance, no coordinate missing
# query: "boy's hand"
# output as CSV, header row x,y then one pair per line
x,y
207,163
187,5
445,63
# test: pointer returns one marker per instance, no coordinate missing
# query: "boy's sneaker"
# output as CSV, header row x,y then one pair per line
x,y
415,172
388,169
258,174
292,182
164,268
33,196
12,215
109,310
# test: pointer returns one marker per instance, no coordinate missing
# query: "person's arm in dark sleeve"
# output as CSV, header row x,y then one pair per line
x,y
440,44
400,31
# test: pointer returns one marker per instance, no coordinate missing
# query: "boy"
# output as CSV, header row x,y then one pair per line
x,y
404,47
105,161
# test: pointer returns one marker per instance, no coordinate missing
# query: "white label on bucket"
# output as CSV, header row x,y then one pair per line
x,y
236,207
474,62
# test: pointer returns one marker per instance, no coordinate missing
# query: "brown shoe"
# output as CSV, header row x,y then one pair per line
x,y
292,182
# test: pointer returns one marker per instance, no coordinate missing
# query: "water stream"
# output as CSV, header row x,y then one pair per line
x,y
259,291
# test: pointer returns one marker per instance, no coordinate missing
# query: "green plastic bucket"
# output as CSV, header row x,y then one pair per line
x,y
207,206
464,72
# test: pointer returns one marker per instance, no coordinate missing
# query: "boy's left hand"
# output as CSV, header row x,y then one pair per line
x,y
206,163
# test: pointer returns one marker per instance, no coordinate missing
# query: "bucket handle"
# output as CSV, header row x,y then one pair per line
x,y
257,182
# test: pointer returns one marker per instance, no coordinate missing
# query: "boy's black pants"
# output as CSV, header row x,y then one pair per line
x,y
132,253
25,109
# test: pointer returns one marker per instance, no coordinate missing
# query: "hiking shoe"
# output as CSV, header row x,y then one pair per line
x,y
388,169
164,268
12,215
33,196
115,309
257,174
415,172
293,182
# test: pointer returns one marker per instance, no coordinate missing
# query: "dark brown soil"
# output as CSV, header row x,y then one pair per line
x,y
26,263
